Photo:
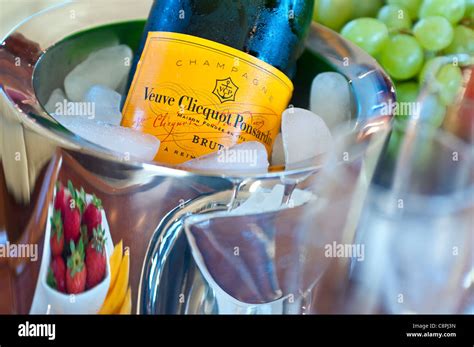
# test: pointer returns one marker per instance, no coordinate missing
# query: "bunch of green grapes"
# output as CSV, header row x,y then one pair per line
x,y
405,36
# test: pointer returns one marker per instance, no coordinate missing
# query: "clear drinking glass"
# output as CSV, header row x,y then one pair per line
x,y
418,226
418,222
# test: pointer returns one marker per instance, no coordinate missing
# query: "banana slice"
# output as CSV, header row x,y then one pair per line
x,y
115,260
117,293
127,303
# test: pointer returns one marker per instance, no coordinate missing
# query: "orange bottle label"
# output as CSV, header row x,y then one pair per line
x,y
198,96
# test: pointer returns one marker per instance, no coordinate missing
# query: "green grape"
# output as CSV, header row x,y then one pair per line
x,y
432,111
427,69
463,41
395,17
448,78
450,81
407,91
332,13
396,140
434,33
469,10
412,6
365,8
430,55
452,10
368,33
402,57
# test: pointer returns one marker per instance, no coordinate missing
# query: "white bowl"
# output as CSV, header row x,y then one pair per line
x,y
88,302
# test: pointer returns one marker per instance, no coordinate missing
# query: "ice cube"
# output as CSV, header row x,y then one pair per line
x,y
106,103
278,153
107,67
305,135
331,98
57,96
262,201
128,142
265,200
249,157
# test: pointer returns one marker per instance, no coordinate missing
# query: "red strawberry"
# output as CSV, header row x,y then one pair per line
x,y
57,274
95,258
61,199
76,273
57,237
72,215
92,217
72,224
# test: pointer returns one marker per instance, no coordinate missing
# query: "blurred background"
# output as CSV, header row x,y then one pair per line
x,y
14,11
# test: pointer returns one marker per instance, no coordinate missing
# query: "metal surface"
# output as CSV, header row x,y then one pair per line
x,y
169,255
138,196
172,283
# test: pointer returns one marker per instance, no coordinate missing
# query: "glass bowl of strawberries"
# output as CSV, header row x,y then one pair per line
x,y
75,270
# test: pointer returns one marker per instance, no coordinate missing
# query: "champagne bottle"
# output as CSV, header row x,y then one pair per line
x,y
210,74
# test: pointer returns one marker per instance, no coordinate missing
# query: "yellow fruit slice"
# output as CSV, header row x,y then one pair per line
x,y
127,303
117,293
115,260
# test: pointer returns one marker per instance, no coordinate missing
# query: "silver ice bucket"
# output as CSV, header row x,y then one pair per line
x,y
144,201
